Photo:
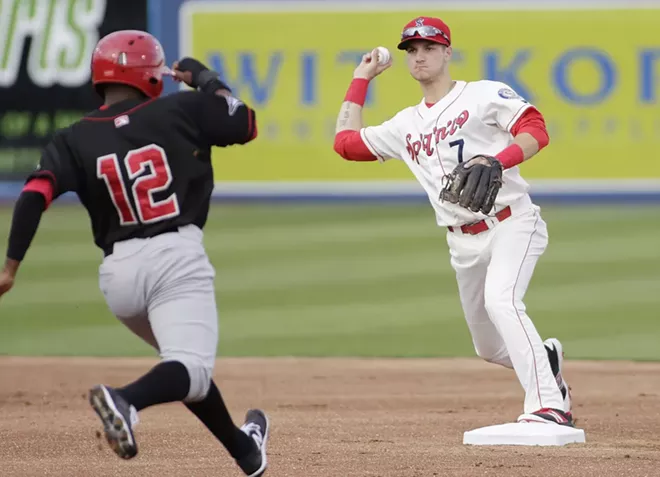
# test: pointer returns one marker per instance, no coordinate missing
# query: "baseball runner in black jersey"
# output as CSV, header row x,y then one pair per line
x,y
141,166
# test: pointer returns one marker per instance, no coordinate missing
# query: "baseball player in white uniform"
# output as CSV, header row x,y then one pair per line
x,y
464,142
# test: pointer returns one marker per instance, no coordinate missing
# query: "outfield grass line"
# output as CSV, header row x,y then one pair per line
x,y
575,275
607,248
335,245
570,257
259,276
559,251
229,261
255,216
599,294
218,243
318,320
53,292
351,279
557,254
643,346
596,213
366,272
60,253
324,320
111,340
328,271
60,219
331,235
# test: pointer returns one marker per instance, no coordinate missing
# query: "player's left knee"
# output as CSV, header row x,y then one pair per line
x,y
485,353
496,356
200,379
499,302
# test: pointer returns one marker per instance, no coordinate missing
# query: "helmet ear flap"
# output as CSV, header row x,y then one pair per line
x,y
100,90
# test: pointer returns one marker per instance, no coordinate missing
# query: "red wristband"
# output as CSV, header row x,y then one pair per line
x,y
511,156
357,91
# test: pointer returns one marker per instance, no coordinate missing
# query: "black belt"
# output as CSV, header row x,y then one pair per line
x,y
110,248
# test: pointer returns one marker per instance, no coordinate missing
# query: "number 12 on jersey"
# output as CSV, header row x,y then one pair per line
x,y
157,180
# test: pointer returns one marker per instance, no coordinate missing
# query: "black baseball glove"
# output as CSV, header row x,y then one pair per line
x,y
474,184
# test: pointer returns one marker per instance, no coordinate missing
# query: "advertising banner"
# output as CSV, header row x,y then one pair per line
x,y
45,50
594,74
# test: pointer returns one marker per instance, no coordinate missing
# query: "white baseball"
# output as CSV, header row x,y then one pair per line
x,y
383,55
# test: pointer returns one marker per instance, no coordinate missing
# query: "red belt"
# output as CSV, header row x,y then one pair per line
x,y
482,226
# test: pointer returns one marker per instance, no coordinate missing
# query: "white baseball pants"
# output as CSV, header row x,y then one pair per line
x,y
162,289
493,270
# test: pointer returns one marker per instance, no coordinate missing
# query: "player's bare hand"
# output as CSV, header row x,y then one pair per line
x,y
6,281
369,67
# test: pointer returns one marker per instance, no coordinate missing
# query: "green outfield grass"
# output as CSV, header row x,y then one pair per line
x,y
368,280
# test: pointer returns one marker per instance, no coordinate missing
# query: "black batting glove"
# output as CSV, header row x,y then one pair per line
x,y
201,77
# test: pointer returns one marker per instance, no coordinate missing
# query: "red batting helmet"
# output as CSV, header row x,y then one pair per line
x,y
425,28
131,57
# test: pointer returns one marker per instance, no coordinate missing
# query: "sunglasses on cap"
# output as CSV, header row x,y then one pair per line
x,y
424,31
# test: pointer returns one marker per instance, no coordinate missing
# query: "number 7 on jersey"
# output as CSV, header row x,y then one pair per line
x,y
460,143
157,180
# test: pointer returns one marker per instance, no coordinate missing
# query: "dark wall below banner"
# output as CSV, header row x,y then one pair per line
x,y
44,70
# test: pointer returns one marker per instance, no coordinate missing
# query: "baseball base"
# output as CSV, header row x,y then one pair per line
x,y
524,434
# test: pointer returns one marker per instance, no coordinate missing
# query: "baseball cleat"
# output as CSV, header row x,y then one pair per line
x,y
547,415
118,418
256,427
556,356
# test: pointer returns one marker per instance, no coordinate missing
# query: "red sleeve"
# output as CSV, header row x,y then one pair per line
x,y
42,185
532,122
252,124
350,146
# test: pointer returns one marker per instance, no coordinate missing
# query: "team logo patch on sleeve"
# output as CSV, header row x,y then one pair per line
x,y
121,121
233,104
507,93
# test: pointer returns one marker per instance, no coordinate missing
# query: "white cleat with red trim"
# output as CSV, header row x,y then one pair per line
x,y
549,416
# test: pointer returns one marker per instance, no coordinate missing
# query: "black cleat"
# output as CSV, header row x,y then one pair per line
x,y
256,427
556,356
118,418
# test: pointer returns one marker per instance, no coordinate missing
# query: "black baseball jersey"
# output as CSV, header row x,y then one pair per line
x,y
141,167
